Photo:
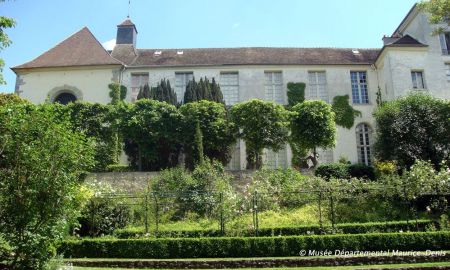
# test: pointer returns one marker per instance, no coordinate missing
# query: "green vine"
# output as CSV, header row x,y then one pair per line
x,y
345,114
295,93
117,92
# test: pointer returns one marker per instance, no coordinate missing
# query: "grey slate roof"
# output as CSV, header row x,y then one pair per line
x,y
242,56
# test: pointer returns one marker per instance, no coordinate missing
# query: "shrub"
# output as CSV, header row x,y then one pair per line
x,y
102,215
360,170
252,246
332,170
385,167
414,127
9,99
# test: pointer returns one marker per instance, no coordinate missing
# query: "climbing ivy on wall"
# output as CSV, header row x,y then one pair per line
x,y
345,114
295,93
117,92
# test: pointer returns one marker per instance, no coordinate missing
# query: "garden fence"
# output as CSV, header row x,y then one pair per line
x,y
157,212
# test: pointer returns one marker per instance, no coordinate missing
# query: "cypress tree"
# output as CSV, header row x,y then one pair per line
x,y
198,151
207,90
190,94
216,93
144,92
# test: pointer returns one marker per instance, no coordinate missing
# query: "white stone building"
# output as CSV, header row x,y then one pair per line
x,y
411,59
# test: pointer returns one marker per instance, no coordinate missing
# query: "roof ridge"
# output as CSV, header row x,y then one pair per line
x,y
256,47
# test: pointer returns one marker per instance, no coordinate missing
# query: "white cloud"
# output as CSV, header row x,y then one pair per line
x,y
109,45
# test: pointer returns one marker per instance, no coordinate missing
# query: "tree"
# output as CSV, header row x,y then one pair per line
x,y
263,125
439,11
313,126
218,132
295,93
144,92
41,163
344,112
5,23
413,127
203,90
151,131
198,138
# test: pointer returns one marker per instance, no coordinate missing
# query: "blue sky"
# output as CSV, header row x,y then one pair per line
x,y
201,23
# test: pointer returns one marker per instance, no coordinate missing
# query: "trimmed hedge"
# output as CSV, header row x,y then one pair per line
x,y
345,171
251,246
344,228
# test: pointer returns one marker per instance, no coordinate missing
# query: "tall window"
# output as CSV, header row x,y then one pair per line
x,y
444,39
447,71
317,88
229,84
276,159
360,94
363,140
137,81
235,161
417,80
181,81
274,87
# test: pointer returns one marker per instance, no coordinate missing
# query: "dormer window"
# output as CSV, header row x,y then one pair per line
x,y
444,39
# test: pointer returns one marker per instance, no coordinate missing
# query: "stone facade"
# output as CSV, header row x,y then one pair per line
x,y
391,72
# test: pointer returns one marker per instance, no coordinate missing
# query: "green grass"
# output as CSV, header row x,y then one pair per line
x,y
316,268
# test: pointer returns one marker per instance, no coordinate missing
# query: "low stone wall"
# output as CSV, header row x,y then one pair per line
x,y
266,263
124,181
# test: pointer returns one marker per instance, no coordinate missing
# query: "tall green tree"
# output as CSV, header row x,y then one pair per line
x,y
413,127
313,126
151,131
262,125
144,92
117,92
218,131
41,163
5,23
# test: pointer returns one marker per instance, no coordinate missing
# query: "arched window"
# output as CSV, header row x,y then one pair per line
x,y
363,143
65,98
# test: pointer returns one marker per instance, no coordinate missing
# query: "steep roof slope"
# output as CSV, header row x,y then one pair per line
x,y
80,49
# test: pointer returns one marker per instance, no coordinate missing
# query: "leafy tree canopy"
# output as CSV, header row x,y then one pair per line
x,y
41,162
413,127
263,125
439,11
151,130
5,23
312,126
218,132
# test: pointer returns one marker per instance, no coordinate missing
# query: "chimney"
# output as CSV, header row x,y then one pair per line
x,y
126,33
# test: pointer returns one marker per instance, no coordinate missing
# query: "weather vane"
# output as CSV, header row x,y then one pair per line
x,y
129,4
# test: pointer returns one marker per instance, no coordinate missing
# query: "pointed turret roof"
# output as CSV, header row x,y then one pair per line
x,y
80,49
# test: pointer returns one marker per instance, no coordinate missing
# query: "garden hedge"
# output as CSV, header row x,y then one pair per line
x,y
344,228
251,246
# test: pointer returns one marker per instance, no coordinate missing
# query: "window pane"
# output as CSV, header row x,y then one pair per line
x,y
317,88
273,88
181,81
359,87
363,133
229,85
137,81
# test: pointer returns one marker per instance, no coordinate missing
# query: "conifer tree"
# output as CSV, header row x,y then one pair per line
x,y
216,93
198,138
144,92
